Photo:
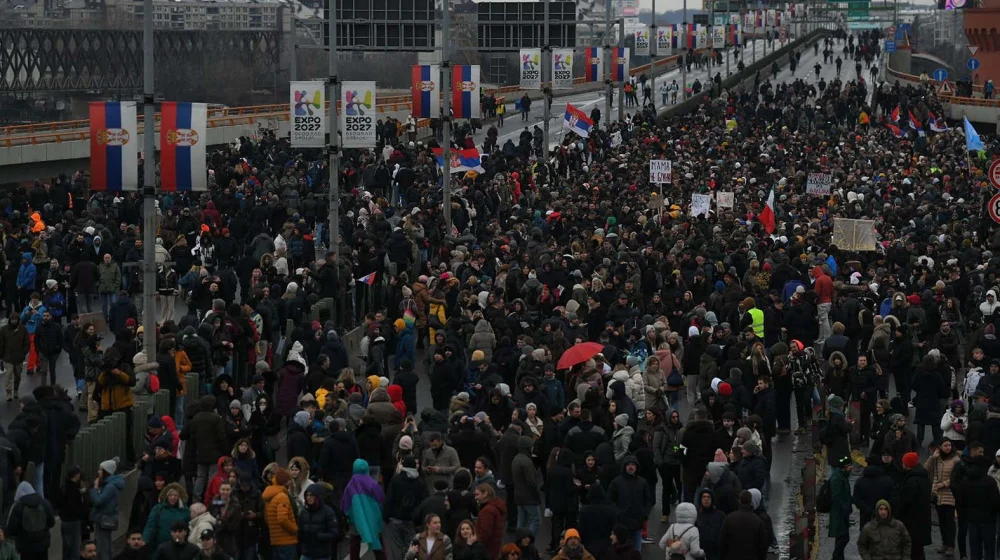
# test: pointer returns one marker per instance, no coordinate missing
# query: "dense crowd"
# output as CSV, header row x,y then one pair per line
x,y
296,447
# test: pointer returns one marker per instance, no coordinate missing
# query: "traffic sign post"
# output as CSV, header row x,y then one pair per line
x,y
940,75
945,88
973,64
994,173
890,46
973,50
994,208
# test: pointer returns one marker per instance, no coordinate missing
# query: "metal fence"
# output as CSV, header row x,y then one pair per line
x,y
106,438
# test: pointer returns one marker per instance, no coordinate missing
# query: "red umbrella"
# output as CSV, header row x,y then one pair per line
x,y
579,354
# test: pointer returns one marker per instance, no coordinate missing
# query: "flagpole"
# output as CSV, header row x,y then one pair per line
x,y
148,189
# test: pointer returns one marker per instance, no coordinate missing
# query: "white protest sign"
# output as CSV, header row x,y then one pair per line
x,y
616,139
660,171
725,200
701,204
819,184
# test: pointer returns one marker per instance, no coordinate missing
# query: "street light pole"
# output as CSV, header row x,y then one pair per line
x,y
333,145
546,83
710,47
621,83
684,52
607,63
653,40
446,113
148,187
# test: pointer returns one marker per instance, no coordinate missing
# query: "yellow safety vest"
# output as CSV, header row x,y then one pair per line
x,y
758,321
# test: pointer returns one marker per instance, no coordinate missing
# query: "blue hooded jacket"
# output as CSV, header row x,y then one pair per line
x,y
104,502
406,346
26,274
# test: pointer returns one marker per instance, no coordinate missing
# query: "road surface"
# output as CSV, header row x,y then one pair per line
x,y
788,449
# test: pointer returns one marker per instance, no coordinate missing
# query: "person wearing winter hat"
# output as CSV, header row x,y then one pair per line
x,y
725,389
104,499
572,547
914,507
840,509
280,518
622,437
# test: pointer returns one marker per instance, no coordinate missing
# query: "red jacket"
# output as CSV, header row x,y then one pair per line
x,y
823,287
491,525
396,396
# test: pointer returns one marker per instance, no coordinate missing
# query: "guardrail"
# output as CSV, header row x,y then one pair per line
x,y
75,130
956,99
104,439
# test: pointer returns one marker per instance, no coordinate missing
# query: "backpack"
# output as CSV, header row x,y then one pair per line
x,y
972,379
674,378
824,497
33,519
671,541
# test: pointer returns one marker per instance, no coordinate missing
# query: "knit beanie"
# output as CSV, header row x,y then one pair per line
x,y
282,476
621,420
910,460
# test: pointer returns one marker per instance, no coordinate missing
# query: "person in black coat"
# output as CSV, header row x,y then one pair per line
x,y
913,504
700,449
874,485
744,535
836,431
369,438
336,458
752,470
709,524
405,492
407,379
929,389
469,441
978,503
765,406
901,360
561,496
595,518
297,436
319,528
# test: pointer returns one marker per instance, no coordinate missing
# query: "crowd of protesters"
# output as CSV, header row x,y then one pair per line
x,y
295,447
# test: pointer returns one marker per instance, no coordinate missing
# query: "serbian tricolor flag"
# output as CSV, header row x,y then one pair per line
x,y
368,279
914,122
896,131
894,117
690,36
675,36
593,64
758,20
183,139
767,215
425,92
937,126
577,121
114,143
619,64
734,35
460,160
465,91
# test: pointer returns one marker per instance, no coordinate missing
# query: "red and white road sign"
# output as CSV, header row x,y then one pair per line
x,y
973,50
994,208
994,173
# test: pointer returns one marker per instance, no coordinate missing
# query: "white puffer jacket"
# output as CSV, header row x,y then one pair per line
x,y
684,531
